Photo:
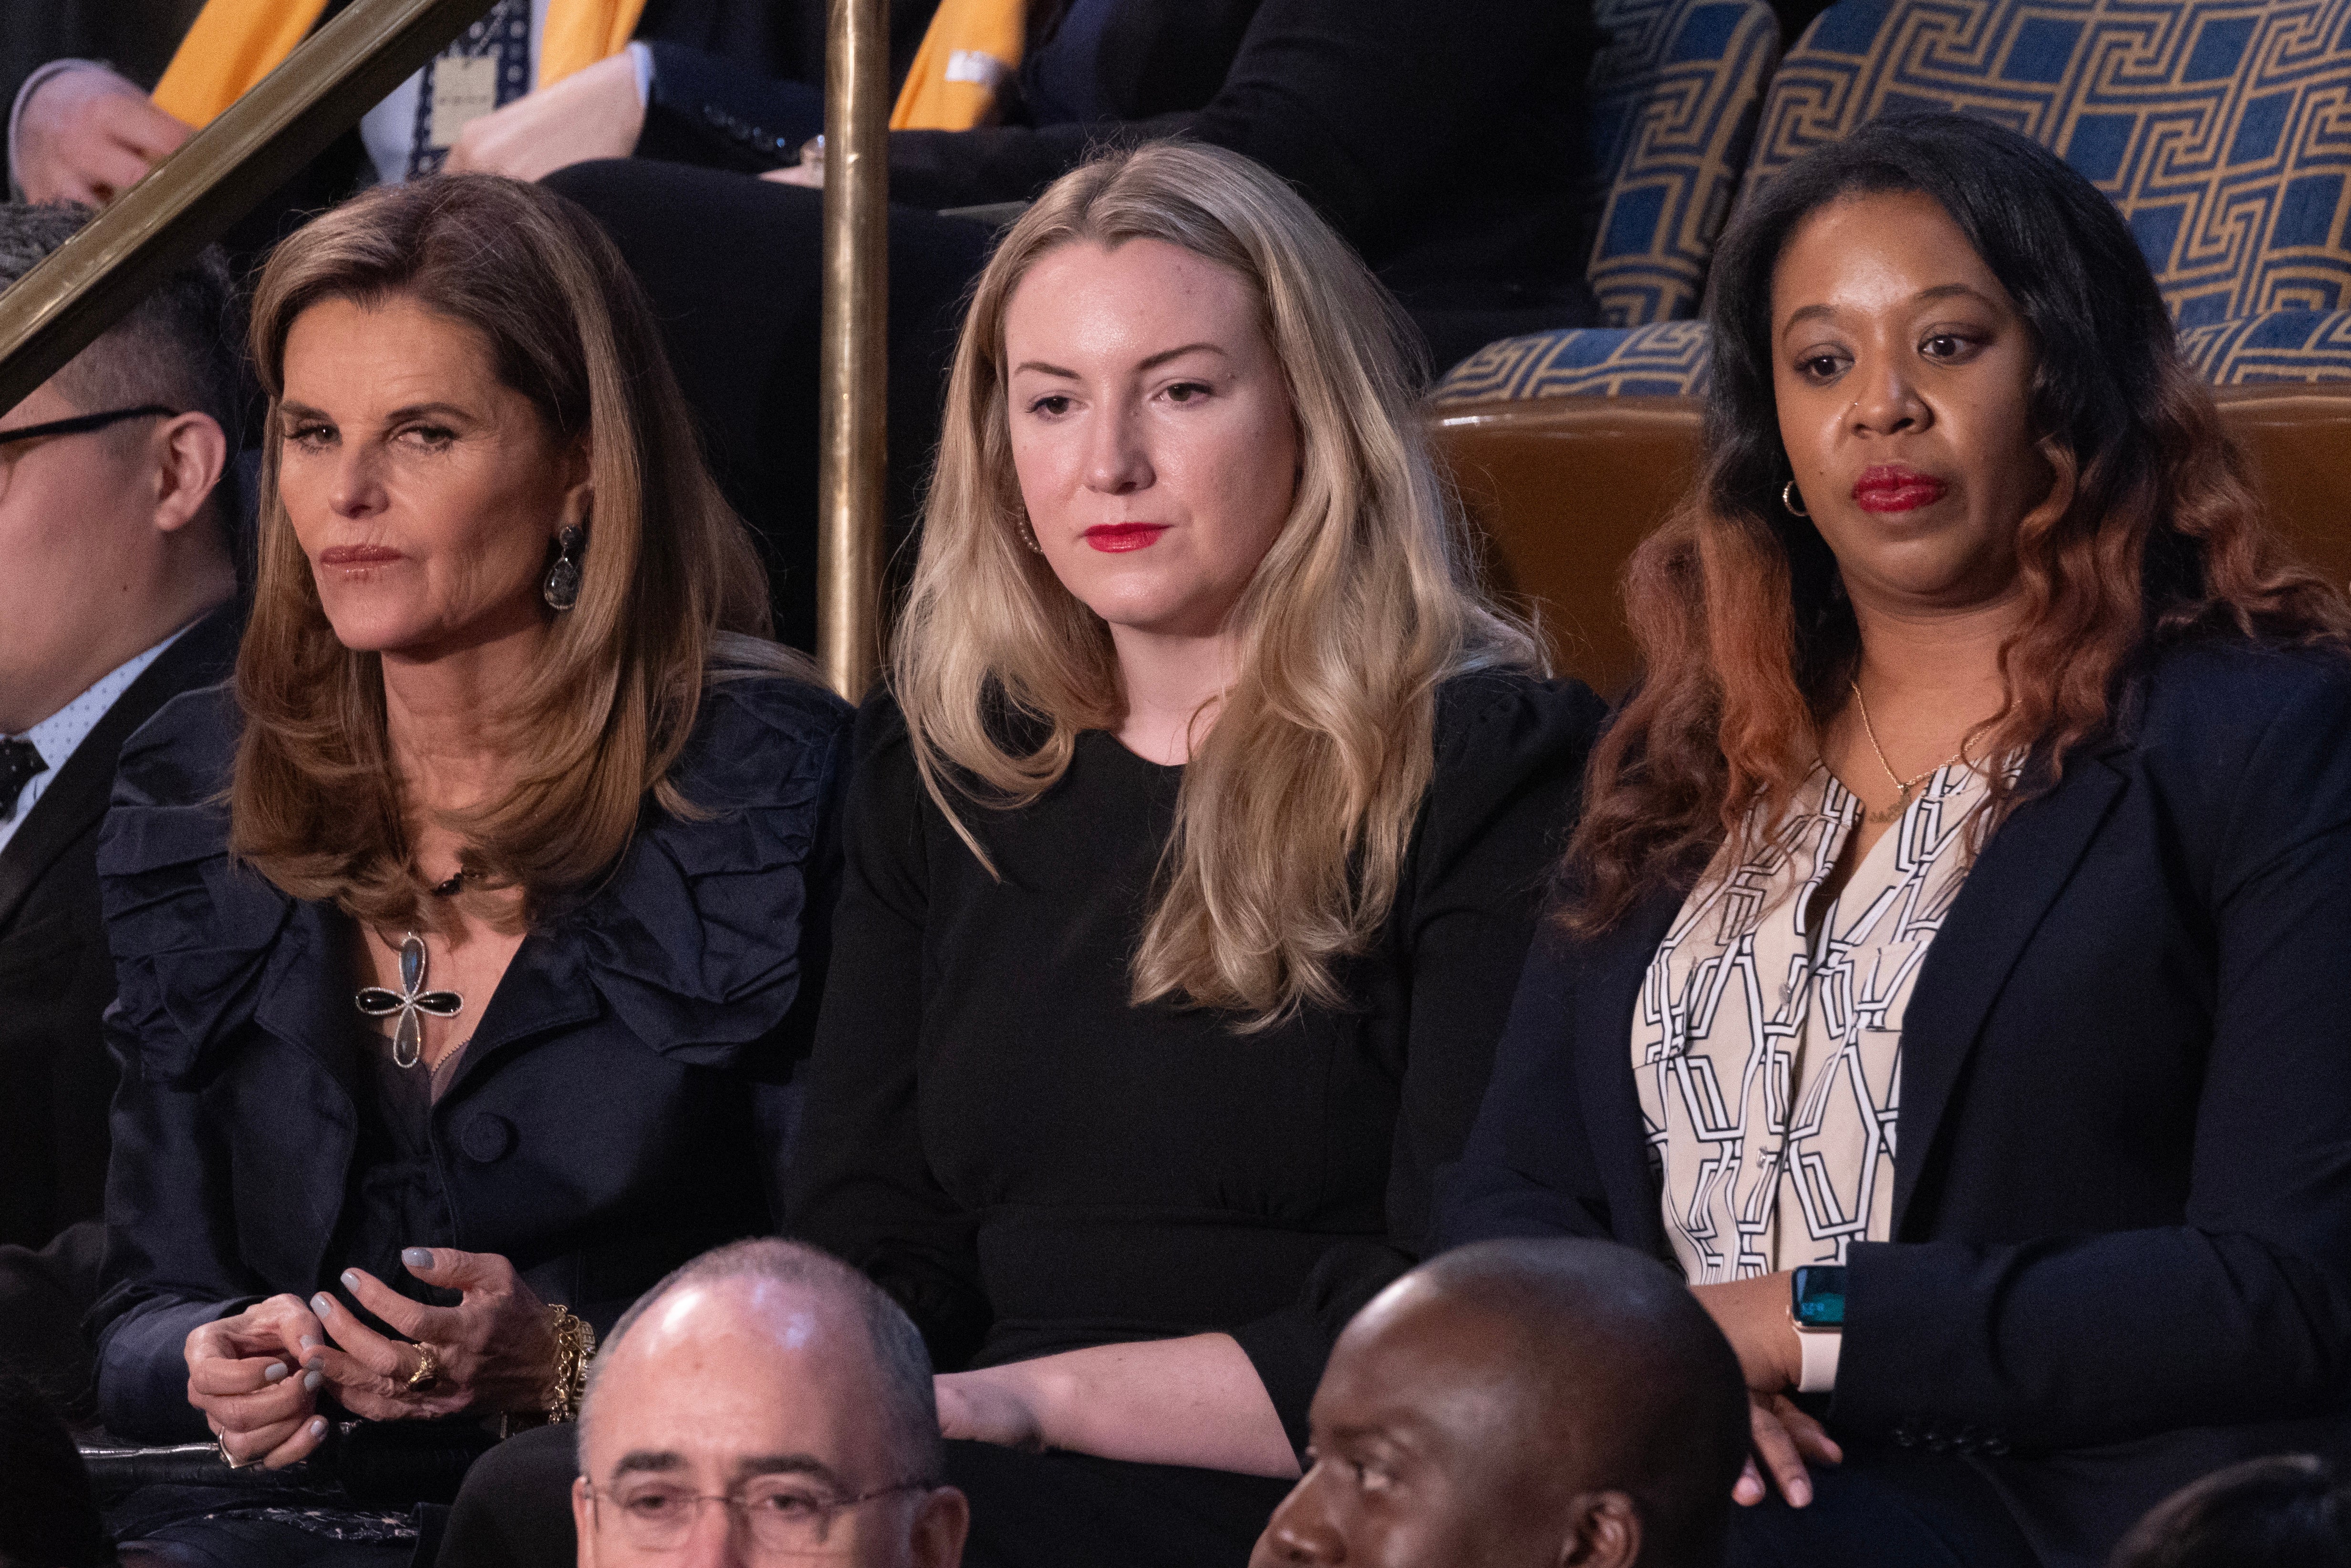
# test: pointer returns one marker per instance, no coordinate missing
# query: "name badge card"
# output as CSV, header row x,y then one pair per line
x,y
465,89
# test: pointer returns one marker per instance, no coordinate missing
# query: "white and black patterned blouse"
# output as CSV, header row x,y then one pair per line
x,y
1768,1053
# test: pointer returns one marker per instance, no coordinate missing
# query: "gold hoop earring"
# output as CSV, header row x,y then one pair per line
x,y
1788,499
1029,535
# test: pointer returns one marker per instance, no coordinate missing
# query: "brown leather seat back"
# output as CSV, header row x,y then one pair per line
x,y
1564,487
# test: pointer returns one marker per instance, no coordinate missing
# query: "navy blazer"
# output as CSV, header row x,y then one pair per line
x,y
623,1105
2121,1246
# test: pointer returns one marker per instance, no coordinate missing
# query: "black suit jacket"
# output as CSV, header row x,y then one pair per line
x,y
1446,142
2121,1246
56,975
624,1103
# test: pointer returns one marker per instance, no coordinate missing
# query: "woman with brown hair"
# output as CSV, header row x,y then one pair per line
x,y
468,940
1948,968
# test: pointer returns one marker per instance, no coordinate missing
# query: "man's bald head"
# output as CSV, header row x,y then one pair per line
x,y
1512,1401
773,1375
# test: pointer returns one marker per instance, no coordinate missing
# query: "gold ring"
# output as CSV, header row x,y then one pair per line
x,y
220,1441
428,1371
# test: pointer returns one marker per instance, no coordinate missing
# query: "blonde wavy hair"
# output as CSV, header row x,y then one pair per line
x,y
1297,808
671,592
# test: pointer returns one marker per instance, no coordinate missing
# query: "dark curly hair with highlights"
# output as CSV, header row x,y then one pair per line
x,y
1747,639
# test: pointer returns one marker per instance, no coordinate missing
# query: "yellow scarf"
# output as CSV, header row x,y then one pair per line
x,y
970,49
235,43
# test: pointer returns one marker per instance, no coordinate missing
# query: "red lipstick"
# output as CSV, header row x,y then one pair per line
x,y
1896,487
1115,537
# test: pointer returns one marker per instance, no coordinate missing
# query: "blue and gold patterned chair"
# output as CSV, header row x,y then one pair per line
x,y
1675,90
1675,94
2220,128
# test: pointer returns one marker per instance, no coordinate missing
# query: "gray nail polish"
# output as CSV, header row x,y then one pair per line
x,y
310,1380
322,1303
276,1373
318,1426
309,1342
418,1256
351,1279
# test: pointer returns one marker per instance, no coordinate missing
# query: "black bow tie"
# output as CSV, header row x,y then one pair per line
x,y
18,763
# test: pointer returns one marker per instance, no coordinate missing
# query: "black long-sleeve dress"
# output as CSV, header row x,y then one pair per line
x,y
1031,1165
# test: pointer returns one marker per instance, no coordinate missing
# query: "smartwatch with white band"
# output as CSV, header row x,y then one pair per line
x,y
1817,1308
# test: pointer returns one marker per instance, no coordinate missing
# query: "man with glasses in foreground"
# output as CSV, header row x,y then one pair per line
x,y
116,583
764,1404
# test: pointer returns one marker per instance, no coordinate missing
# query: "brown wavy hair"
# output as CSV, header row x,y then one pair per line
x,y
671,592
2151,535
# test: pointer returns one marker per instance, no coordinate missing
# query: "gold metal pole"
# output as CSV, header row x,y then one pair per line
x,y
854,369
226,169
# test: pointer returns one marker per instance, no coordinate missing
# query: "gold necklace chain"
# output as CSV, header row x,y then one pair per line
x,y
1902,786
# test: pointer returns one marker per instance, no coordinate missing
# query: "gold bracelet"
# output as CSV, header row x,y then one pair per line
x,y
575,1347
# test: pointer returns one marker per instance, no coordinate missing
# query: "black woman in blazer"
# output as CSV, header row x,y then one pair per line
x,y
2119,1248
2122,1242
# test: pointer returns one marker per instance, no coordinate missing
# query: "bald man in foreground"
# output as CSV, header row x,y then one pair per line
x,y
765,1401
1521,1404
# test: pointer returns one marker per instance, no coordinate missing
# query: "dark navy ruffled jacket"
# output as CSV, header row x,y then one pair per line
x,y
625,1103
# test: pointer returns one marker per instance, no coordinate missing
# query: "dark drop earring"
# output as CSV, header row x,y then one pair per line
x,y
562,588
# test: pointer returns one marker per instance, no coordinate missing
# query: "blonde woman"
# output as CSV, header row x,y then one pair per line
x,y
462,939
1190,859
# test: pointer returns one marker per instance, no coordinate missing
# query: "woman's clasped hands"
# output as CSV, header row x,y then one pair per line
x,y
259,1376
1752,1314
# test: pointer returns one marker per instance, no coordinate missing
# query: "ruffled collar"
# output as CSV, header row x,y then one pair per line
x,y
692,944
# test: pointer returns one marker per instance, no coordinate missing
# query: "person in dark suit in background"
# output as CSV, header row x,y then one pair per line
x,y
116,586
1954,947
1444,144
136,36
572,80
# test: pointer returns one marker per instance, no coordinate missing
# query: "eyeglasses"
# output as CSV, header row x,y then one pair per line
x,y
782,1515
14,442
83,422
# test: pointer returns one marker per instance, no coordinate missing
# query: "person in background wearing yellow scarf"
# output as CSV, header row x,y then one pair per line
x,y
534,86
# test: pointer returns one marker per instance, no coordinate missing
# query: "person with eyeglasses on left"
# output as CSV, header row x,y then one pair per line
x,y
116,595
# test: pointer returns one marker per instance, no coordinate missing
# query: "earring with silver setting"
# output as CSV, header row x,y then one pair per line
x,y
1788,499
562,588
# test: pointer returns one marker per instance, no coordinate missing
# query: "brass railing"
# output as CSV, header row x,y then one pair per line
x,y
224,172
854,373
260,141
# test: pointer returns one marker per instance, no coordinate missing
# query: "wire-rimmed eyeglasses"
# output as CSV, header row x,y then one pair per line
x,y
781,1516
